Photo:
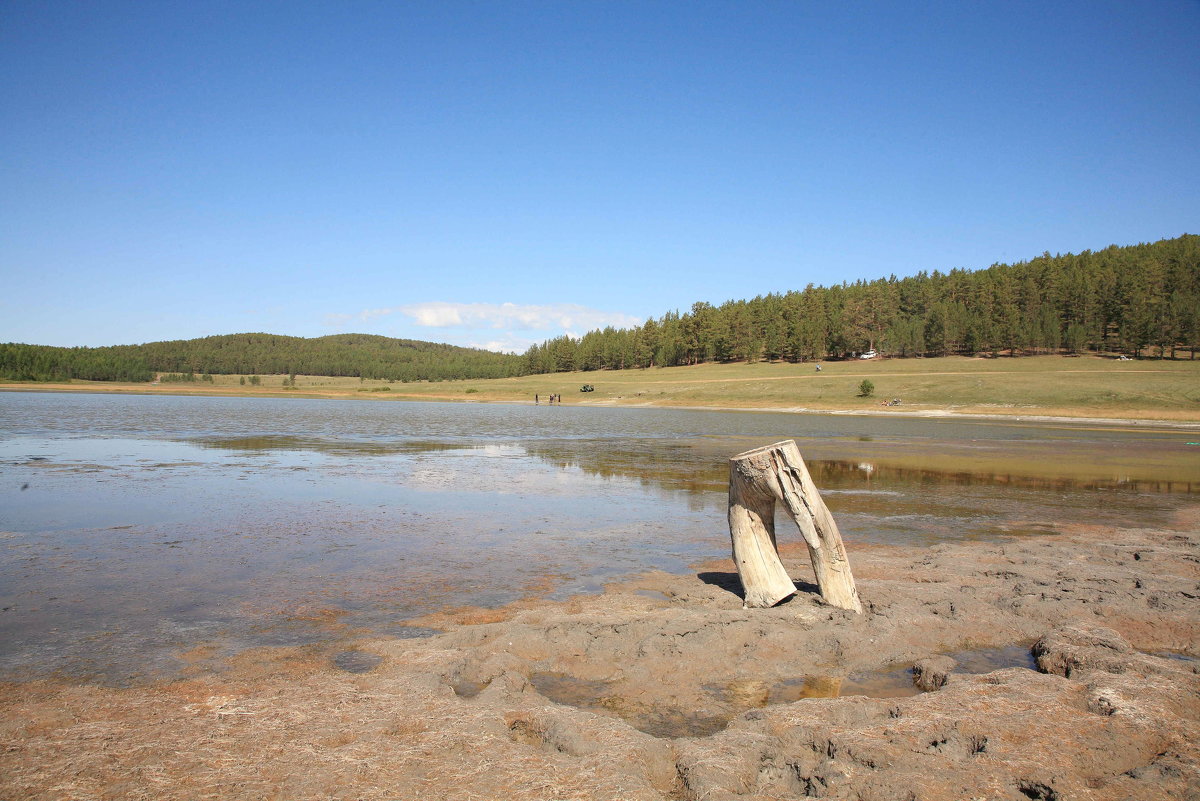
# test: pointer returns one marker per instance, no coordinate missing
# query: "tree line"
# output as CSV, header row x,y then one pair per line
x,y
361,355
1136,299
46,363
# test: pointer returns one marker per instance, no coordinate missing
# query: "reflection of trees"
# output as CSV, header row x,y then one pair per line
x,y
285,442
841,474
699,467
695,469
655,464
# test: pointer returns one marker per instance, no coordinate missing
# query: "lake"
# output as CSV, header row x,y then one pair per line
x,y
141,536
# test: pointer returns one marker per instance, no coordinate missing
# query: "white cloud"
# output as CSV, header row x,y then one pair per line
x,y
510,327
434,315
567,317
562,316
508,344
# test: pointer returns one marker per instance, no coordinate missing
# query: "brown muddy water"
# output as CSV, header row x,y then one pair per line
x,y
145,537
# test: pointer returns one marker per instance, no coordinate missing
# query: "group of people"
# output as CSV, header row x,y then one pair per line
x,y
537,399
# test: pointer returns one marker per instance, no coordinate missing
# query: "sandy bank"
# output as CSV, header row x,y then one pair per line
x,y
671,690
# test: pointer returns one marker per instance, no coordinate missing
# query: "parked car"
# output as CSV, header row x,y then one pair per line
x,y
587,388
868,355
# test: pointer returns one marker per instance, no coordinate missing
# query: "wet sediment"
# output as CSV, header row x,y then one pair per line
x,y
665,688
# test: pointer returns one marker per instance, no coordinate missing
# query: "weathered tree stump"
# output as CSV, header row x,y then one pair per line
x,y
759,478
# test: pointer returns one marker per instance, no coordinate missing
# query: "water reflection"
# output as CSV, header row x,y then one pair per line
x,y
133,529
834,472
286,442
885,503
693,467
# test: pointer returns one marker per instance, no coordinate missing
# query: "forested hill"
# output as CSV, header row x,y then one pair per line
x,y
265,354
1121,299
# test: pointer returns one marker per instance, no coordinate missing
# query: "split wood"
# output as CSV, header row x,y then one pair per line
x,y
757,479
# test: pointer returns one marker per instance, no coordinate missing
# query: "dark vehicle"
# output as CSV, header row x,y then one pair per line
x,y
587,388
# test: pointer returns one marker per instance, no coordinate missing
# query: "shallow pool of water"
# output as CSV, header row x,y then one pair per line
x,y
135,528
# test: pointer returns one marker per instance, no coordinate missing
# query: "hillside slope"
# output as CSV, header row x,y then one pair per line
x,y
357,355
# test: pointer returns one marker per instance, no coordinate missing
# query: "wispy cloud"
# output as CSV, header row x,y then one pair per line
x,y
570,318
564,316
509,344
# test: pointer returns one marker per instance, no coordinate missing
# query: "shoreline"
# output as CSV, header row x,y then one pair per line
x,y
1020,417
1075,418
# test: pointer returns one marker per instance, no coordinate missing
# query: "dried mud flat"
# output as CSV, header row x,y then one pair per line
x,y
670,690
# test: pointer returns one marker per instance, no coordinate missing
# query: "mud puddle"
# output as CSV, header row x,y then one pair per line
x,y
721,703
356,661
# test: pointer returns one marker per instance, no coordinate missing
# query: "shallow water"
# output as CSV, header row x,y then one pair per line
x,y
134,529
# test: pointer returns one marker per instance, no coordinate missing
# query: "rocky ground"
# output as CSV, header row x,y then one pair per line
x,y
665,688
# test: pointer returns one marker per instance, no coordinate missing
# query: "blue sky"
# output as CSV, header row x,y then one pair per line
x,y
494,174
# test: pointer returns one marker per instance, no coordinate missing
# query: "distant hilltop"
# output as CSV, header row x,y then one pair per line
x,y
362,355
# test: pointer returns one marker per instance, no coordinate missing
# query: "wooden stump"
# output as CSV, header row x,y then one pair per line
x,y
759,478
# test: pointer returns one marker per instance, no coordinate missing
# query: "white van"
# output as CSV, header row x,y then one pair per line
x,y
869,355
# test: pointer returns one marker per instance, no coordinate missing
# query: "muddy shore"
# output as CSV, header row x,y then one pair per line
x,y
1057,666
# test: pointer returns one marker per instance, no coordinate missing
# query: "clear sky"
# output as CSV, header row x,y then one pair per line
x,y
497,173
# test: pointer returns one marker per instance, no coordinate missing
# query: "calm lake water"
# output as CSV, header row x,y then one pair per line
x,y
138,533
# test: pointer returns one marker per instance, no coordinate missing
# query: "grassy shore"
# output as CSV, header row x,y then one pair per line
x,y
1053,386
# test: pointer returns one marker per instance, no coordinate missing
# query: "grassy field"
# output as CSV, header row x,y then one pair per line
x,y
1042,385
